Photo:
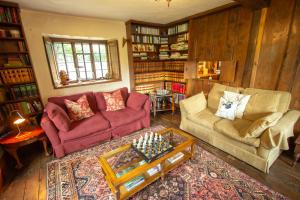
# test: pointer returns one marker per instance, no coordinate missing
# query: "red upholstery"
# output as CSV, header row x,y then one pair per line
x,y
85,127
58,116
100,127
124,116
136,100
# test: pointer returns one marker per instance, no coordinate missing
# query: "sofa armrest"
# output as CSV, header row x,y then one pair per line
x,y
277,135
50,130
193,104
147,106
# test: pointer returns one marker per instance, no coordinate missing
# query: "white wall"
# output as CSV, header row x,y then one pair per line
x,y
36,24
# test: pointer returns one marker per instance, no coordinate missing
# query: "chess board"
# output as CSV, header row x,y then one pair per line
x,y
153,148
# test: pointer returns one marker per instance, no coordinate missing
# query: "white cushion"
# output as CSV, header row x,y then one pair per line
x,y
227,108
241,99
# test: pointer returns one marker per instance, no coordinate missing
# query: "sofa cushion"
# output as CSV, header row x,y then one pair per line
x,y
80,109
217,92
60,100
85,127
124,116
136,101
227,108
205,118
261,124
100,101
58,116
261,105
241,99
114,101
233,129
195,103
283,102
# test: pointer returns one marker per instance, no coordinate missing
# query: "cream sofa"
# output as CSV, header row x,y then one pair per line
x,y
198,118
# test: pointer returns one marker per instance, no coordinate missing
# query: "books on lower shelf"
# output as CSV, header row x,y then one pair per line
x,y
175,158
134,182
25,108
154,170
143,47
16,76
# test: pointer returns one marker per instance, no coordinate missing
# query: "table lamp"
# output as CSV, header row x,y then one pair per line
x,y
17,119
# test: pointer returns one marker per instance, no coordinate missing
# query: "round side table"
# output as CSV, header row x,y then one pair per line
x,y
11,144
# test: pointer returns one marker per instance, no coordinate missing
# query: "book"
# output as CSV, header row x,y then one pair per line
x,y
154,170
175,158
134,182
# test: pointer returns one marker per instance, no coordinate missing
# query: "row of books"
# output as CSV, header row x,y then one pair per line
x,y
149,88
23,91
23,75
146,30
143,47
8,15
178,29
17,61
179,46
25,108
159,76
183,37
142,67
174,66
178,55
13,33
148,39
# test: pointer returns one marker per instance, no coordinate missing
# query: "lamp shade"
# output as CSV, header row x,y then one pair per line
x,y
16,117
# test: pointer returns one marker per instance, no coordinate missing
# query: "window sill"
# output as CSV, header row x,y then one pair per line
x,y
92,82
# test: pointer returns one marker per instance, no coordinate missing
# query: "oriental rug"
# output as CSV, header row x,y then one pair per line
x,y
79,176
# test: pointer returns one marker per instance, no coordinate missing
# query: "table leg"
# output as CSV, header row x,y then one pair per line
x,y
117,193
13,152
44,141
193,151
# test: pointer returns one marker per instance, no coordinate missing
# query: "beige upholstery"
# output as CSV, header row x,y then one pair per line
x,y
205,118
264,145
233,129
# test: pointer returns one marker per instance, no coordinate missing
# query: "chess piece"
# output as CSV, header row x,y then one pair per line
x,y
134,142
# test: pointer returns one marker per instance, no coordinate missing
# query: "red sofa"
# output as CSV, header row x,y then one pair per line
x,y
104,125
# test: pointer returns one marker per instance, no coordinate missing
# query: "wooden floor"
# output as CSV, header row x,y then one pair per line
x,y
30,182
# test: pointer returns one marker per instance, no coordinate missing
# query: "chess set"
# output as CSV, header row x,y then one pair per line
x,y
151,146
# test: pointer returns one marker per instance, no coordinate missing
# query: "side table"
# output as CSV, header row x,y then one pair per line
x,y
157,105
297,151
11,144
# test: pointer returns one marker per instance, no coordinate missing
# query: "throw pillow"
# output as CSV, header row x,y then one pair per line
x,y
58,116
136,101
114,101
261,124
195,104
227,108
241,99
79,110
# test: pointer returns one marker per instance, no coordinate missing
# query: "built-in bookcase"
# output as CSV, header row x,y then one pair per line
x,y
19,90
157,54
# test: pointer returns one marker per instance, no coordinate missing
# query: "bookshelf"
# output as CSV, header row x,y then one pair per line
x,y
157,54
18,86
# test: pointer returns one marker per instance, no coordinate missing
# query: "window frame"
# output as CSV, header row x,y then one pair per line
x,y
72,41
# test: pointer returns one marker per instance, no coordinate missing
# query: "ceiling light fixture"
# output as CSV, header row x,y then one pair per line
x,y
167,1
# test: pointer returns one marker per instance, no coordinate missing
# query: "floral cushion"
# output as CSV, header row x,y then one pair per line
x,y
80,109
114,101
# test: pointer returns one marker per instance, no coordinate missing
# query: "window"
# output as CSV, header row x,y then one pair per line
x,y
84,61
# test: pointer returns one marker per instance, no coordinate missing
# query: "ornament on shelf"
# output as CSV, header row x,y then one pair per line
x,y
64,77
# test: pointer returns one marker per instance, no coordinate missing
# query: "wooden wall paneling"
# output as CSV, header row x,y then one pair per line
x,y
130,58
232,29
274,43
254,4
243,34
287,76
251,48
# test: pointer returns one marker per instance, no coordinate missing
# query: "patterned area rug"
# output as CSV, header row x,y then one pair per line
x,y
79,176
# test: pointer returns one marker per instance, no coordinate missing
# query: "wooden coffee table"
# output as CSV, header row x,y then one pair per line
x,y
125,158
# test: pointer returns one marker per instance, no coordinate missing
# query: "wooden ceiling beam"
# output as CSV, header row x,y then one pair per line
x,y
254,4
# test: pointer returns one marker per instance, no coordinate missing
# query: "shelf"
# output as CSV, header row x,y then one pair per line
x,y
159,71
176,34
9,24
11,38
148,34
145,43
144,52
175,50
6,68
15,52
149,82
24,83
20,100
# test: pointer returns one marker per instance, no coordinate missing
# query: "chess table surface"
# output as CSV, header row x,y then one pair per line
x,y
125,157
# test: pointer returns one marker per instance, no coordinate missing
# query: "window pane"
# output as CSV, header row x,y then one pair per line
x,y
98,65
71,67
61,66
87,57
69,58
78,47
104,65
68,48
86,48
58,47
103,57
72,76
80,58
103,49
97,57
95,48
98,74
88,66
105,73
90,75
60,58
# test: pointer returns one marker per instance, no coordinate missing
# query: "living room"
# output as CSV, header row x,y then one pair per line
x,y
150,99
